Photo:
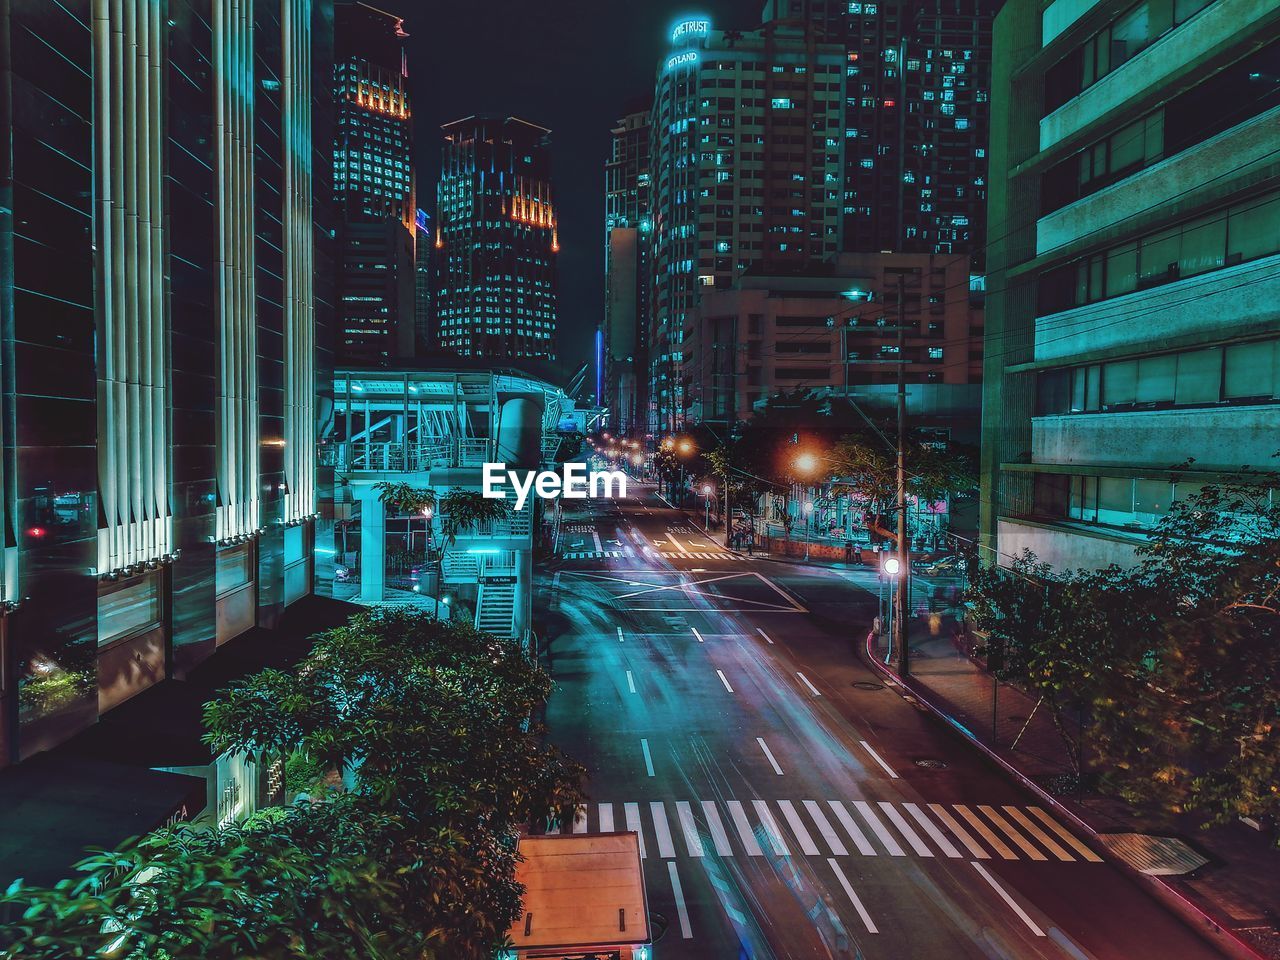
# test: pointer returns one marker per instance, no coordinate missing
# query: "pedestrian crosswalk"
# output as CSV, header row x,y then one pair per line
x,y
596,554
649,552
700,555
835,828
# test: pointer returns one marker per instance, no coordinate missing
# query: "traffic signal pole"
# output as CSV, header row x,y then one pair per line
x,y
904,552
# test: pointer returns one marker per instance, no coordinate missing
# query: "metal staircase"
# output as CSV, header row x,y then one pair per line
x,y
496,609
458,566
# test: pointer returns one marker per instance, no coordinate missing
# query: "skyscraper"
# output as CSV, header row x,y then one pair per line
x,y
496,240
374,185
627,282
1134,311
747,165
916,119
163,267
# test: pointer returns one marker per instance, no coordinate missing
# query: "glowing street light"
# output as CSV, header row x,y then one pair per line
x,y
892,565
808,512
805,463
706,514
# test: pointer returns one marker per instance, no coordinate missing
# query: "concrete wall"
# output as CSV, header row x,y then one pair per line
x,y
1061,14
1064,548
1231,301
1220,438
1211,29
1198,174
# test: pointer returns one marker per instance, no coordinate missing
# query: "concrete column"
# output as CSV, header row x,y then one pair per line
x,y
373,544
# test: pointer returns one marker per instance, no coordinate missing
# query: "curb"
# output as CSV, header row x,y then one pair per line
x,y
1210,928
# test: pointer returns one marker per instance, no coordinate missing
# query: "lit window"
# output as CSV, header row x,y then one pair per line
x,y
782,103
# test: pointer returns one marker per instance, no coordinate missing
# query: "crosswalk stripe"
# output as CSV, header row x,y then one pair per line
x,y
824,827
941,813
984,831
716,826
899,821
743,826
771,828
691,839
851,827
798,828
932,830
580,819
606,818
878,829
1046,841
666,849
1065,834
632,811
1007,829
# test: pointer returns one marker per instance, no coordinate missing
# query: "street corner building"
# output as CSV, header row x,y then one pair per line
x,y
164,252
1133,311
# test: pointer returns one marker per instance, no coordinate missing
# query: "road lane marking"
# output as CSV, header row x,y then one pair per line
x,y
596,537
718,835
899,821
724,680
1067,836
1046,841
932,830
631,682
763,634
743,826
853,897
970,844
580,818
887,769
771,828
620,635
681,910
851,827
697,634
606,818
878,828
1031,924
690,827
662,829
632,811
824,827
1007,829
769,753
798,828
676,543
805,681
648,758
997,844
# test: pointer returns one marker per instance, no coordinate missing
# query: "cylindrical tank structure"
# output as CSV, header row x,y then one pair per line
x,y
519,433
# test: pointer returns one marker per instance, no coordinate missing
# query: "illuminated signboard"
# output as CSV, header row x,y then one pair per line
x,y
690,28
688,57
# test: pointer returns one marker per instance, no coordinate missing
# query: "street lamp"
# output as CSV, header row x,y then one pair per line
x,y
706,515
808,512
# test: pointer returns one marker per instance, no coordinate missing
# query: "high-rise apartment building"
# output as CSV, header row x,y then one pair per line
x,y
1133,314
628,226
164,251
374,185
916,119
747,169
422,278
496,240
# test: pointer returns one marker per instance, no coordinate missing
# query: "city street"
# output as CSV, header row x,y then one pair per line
x,y
788,803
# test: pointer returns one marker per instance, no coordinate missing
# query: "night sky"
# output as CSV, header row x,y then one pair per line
x,y
575,66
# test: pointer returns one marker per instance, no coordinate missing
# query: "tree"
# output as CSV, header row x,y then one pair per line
x,y
430,722
404,497
1173,664
461,509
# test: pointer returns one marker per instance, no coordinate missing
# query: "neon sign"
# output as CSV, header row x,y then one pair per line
x,y
689,56
690,28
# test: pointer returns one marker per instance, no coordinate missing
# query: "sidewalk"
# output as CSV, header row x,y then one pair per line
x,y
1233,898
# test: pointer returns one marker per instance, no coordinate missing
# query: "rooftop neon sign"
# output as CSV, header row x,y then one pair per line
x,y
689,56
690,28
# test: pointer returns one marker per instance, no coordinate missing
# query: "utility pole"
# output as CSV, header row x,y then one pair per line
x,y
904,552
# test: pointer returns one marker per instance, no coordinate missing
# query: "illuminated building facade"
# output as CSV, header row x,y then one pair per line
x,y
496,240
422,282
916,119
374,185
747,166
628,225
1134,311
164,248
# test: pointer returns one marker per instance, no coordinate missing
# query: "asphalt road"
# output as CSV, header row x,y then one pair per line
x,y
789,805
